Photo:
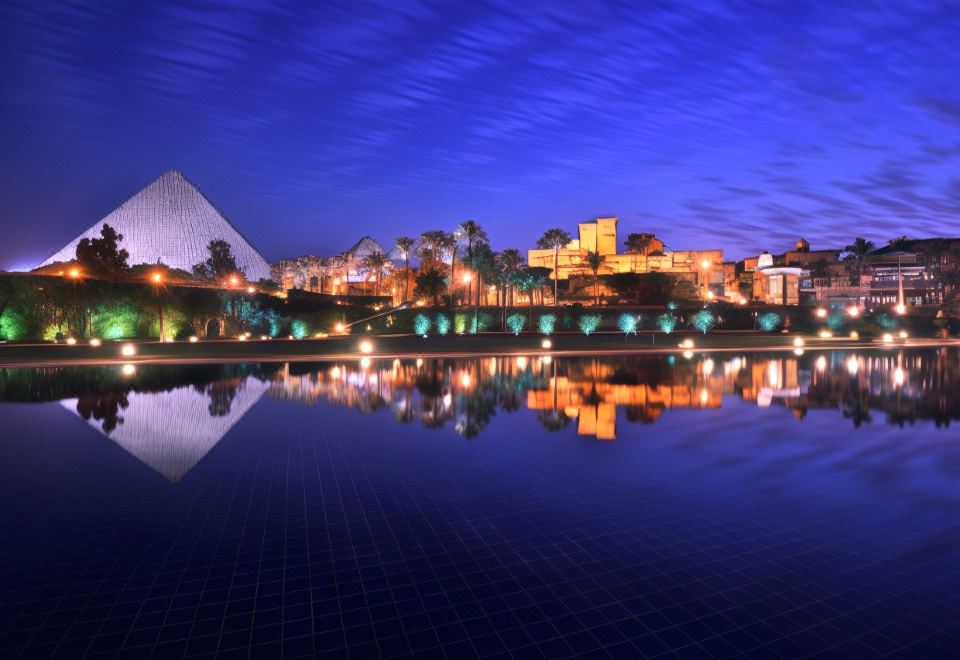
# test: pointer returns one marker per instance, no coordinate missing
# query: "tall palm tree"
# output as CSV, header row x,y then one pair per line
x,y
429,247
376,261
450,242
405,244
554,239
859,250
508,263
471,232
594,261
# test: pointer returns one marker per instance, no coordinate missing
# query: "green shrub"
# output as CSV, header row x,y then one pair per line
x,y
627,323
442,323
516,322
459,323
546,323
588,323
299,328
769,321
421,324
703,321
667,322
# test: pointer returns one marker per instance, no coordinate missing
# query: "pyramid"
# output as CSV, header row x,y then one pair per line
x,y
170,221
172,431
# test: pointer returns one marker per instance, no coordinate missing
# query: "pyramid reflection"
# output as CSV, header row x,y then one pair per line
x,y
172,431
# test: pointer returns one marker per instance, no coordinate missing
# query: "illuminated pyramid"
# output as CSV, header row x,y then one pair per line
x,y
172,431
171,222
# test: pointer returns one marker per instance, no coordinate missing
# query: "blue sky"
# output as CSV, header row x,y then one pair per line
x,y
740,125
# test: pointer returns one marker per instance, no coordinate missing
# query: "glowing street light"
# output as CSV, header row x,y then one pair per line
x,y
251,289
853,311
157,278
128,350
234,280
900,309
854,334
821,313
546,344
95,342
71,341
340,327
903,334
825,334
705,263
798,342
194,339
74,273
366,347
887,338
467,278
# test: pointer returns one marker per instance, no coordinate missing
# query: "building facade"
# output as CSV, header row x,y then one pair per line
x,y
703,269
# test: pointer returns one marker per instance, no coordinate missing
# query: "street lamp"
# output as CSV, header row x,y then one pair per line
x,y
157,279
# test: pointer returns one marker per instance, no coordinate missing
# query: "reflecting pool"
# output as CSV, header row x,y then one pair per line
x,y
714,504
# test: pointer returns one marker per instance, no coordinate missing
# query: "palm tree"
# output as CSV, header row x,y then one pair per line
x,y
429,246
430,283
554,239
859,250
451,242
594,261
471,232
376,261
508,263
405,244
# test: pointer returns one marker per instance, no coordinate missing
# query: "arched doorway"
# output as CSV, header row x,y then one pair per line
x,y
214,328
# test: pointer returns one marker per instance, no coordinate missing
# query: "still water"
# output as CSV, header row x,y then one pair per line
x,y
770,505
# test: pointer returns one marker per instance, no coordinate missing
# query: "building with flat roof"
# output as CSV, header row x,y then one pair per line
x,y
703,269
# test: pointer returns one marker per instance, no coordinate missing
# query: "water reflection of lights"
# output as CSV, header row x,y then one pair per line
x,y
522,362
547,359
365,363
447,400
128,370
853,365
708,367
898,376
798,351
688,354
335,372
419,362
821,363
465,379
704,395
798,342
366,346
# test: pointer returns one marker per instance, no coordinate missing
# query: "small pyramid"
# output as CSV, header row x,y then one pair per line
x,y
171,222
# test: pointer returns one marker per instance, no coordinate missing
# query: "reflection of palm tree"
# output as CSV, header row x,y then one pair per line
x,y
856,404
221,398
553,420
478,409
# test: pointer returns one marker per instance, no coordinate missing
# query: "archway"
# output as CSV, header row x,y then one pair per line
x,y
214,328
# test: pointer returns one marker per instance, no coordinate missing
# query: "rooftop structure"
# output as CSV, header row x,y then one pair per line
x,y
704,269
171,222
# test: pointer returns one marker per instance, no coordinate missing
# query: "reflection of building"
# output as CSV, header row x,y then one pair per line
x,y
593,400
172,431
171,222
341,274
703,269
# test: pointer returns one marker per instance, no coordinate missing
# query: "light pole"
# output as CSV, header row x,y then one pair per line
x,y
157,279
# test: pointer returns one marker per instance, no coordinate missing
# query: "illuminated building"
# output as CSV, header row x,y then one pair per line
x,y
171,222
703,269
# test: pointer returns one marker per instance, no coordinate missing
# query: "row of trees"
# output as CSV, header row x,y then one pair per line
x,y
438,252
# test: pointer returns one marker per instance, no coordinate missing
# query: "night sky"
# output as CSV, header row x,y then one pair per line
x,y
714,124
